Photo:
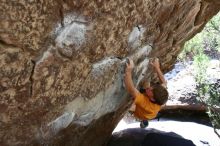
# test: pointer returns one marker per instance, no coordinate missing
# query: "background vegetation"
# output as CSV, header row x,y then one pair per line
x,y
200,49
206,42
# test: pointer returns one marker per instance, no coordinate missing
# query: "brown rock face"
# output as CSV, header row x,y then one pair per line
x,y
62,62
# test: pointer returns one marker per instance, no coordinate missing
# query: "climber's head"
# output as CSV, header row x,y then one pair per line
x,y
157,93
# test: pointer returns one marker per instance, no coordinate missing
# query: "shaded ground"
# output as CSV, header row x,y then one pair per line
x,y
147,137
200,135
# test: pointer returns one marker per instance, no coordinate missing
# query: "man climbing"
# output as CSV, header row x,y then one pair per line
x,y
147,104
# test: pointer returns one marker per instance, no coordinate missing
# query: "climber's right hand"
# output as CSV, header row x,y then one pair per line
x,y
129,65
155,63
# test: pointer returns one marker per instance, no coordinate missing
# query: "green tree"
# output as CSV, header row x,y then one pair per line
x,y
206,40
208,93
204,45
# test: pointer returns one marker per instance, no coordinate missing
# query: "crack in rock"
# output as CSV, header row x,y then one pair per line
x,y
31,78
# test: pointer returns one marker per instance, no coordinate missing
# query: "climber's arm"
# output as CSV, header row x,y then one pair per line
x,y
157,69
128,79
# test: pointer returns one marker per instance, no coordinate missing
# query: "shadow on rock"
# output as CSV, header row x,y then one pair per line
x,y
147,137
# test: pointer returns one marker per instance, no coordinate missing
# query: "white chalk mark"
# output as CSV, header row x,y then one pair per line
x,y
73,34
61,122
134,39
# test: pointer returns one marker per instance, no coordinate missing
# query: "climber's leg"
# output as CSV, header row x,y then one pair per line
x,y
132,108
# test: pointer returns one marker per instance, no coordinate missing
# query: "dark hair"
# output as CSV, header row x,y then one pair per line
x,y
160,94
142,90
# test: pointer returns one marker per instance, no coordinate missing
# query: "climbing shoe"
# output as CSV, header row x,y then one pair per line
x,y
144,124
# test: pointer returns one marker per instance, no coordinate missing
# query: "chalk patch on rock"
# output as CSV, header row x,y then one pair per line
x,y
45,55
72,34
143,51
134,39
52,128
61,122
73,17
143,67
67,20
100,67
103,102
84,109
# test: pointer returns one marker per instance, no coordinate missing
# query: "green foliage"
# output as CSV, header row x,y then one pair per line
x,y
208,93
214,100
192,47
196,50
200,63
214,92
208,39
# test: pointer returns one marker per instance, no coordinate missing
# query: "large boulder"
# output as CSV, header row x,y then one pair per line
x,y
62,62
147,137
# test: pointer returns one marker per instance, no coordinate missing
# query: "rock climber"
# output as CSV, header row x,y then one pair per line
x,y
147,104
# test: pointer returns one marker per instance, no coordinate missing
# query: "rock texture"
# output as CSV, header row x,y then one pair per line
x,y
62,62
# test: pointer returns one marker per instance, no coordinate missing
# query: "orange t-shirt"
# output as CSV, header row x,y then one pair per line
x,y
145,109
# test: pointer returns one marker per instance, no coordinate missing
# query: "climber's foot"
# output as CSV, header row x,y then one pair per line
x,y
144,124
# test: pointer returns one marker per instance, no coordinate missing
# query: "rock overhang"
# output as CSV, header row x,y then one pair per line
x,y
62,62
